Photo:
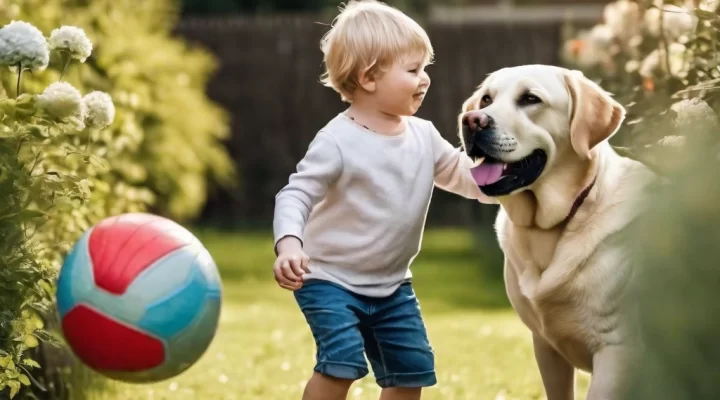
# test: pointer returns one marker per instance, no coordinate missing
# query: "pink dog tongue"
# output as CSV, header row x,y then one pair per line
x,y
487,173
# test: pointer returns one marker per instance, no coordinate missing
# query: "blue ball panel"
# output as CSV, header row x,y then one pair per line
x,y
168,315
210,270
189,345
75,280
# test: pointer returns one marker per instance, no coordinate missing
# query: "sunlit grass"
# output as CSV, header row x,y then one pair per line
x,y
264,350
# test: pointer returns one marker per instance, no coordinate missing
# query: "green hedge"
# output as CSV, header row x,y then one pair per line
x,y
51,182
162,153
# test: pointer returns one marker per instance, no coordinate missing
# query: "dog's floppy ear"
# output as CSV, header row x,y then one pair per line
x,y
595,116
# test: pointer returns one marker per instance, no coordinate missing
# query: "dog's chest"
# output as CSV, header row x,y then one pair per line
x,y
577,316
533,248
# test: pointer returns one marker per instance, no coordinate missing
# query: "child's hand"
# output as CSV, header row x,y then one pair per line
x,y
291,263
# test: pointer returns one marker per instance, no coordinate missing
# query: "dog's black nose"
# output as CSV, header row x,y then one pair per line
x,y
476,120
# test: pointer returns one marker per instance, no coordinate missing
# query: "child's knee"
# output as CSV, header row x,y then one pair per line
x,y
332,382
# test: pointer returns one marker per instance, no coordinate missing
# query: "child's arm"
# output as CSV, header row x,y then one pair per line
x,y
315,172
452,169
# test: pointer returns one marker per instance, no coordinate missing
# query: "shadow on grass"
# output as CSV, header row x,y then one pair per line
x,y
453,270
462,273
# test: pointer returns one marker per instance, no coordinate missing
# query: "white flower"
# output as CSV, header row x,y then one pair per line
x,y
632,66
71,39
654,61
23,44
709,5
672,141
622,17
591,48
61,100
100,110
602,36
693,111
678,22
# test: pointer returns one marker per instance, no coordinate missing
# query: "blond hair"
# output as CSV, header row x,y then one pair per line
x,y
369,35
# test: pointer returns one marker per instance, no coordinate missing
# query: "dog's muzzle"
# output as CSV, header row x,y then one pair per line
x,y
487,148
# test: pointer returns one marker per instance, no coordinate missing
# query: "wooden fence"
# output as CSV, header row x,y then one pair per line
x,y
269,83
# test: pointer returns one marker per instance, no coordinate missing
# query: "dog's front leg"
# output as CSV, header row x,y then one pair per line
x,y
612,367
557,374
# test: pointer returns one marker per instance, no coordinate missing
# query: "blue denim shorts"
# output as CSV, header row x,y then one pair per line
x,y
389,331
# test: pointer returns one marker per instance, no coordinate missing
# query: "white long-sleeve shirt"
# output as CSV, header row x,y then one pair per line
x,y
359,200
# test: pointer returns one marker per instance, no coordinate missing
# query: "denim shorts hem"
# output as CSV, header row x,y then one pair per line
x,y
341,370
415,379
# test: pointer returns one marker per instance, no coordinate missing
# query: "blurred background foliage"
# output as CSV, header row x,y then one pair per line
x,y
660,60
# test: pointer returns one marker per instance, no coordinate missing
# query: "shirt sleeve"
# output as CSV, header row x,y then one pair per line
x,y
452,169
317,170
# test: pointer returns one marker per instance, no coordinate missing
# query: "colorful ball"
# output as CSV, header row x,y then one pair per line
x,y
139,298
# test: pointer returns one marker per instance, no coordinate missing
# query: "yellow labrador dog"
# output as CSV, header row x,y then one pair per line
x,y
538,136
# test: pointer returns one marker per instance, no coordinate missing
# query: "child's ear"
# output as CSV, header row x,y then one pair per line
x,y
366,79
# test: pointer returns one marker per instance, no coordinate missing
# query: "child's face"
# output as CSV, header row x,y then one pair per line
x,y
401,90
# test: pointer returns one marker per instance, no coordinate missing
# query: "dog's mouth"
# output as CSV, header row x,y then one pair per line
x,y
497,178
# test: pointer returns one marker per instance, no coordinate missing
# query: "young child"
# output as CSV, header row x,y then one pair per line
x,y
350,221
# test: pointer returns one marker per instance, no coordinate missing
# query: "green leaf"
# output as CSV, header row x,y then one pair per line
x,y
98,162
4,361
14,388
31,341
31,363
37,131
706,15
7,106
24,379
27,215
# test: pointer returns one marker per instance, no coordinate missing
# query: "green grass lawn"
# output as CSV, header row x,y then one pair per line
x,y
264,350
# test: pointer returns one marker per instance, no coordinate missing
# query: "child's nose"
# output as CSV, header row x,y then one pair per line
x,y
425,79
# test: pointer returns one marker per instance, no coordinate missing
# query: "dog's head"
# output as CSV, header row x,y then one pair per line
x,y
524,121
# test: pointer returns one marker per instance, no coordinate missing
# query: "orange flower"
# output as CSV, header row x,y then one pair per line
x,y
576,46
649,84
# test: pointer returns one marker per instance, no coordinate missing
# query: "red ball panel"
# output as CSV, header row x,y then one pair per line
x,y
122,247
104,344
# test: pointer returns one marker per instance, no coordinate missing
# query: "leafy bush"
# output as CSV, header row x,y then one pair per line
x,y
661,61
51,181
61,170
171,132
673,294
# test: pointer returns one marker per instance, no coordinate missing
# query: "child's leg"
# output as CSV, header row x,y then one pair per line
x,y
400,394
324,387
331,312
397,346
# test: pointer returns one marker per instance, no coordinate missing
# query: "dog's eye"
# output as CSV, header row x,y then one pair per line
x,y
485,101
528,99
